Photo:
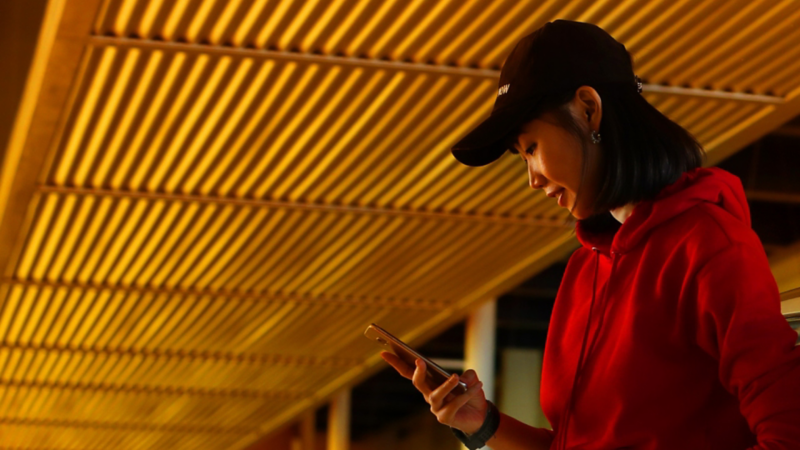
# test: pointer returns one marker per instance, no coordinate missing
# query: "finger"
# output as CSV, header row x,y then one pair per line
x,y
398,364
438,395
418,378
469,377
448,412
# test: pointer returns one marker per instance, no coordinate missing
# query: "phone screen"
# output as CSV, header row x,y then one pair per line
x,y
435,374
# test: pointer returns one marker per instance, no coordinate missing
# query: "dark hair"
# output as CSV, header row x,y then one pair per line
x,y
643,150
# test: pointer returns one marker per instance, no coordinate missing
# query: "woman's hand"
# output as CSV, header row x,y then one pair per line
x,y
465,412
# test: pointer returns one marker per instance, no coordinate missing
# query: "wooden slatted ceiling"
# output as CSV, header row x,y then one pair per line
x,y
236,188
674,43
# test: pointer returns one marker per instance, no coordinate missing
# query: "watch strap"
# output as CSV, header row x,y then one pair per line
x,y
484,433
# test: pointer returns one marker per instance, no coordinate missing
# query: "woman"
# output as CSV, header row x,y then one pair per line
x,y
666,331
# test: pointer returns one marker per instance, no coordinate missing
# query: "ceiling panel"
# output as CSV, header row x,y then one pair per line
x,y
209,200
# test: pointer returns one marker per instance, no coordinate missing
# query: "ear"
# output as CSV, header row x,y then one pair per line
x,y
588,106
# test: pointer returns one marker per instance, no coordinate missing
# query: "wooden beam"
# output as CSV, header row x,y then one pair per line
x,y
787,131
765,121
225,294
56,65
773,196
278,204
332,60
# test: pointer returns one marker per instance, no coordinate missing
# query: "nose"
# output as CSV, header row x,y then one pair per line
x,y
535,179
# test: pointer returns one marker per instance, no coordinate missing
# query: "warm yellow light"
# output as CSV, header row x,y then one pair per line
x,y
310,146
384,131
96,302
346,25
84,116
224,20
253,169
51,247
108,111
200,17
198,255
124,15
134,150
458,18
200,174
371,184
298,20
196,107
12,303
499,27
152,232
258,237
421,29
273,321
231,152
438,140
346,265
369,27
186,216
346,229
220,246
323,154
297,229
36,237
178,8
131,110
320,24
480,17
361,233
200,139
118,252
78,256
155,149
396,24
274,19
149,16
256,9
105,238
312,110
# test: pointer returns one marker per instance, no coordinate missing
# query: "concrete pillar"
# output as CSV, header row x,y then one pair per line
x,y
521,373
479,351
339,422
308,431
479,345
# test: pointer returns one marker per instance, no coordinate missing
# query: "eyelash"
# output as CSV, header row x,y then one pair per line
x,y
529,150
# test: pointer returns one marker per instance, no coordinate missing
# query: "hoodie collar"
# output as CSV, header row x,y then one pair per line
x,y
701,185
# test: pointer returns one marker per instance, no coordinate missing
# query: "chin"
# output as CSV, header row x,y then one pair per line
x,y
581,214
577,215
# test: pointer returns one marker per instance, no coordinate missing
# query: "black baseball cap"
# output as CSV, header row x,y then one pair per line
x,y
560,55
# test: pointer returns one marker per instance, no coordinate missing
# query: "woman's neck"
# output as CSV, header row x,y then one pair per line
x,y
623,212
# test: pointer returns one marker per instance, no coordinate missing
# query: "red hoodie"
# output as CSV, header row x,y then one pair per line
x,y
685,347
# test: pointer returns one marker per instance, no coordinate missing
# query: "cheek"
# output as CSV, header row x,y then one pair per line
x,y
559,171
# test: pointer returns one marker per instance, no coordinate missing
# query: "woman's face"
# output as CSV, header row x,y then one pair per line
x,y
555,160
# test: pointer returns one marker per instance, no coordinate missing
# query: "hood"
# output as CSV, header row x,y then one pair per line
x,y
709,185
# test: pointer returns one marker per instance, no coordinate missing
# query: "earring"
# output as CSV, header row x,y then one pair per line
x,y
595,137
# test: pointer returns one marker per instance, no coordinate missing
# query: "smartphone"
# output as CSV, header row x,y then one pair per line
x,y
435,374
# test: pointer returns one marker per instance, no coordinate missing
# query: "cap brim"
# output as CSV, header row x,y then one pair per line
x,y
485,144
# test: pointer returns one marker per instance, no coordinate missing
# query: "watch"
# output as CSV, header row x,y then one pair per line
x,y
484,433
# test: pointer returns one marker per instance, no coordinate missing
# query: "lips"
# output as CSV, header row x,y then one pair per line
x,y
560,198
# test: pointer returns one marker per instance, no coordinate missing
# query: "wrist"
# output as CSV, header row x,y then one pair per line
x,y
478,438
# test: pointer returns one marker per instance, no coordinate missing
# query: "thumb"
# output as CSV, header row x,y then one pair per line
x,y
469,378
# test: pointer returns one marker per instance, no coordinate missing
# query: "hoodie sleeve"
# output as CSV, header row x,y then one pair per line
x,y
740,324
